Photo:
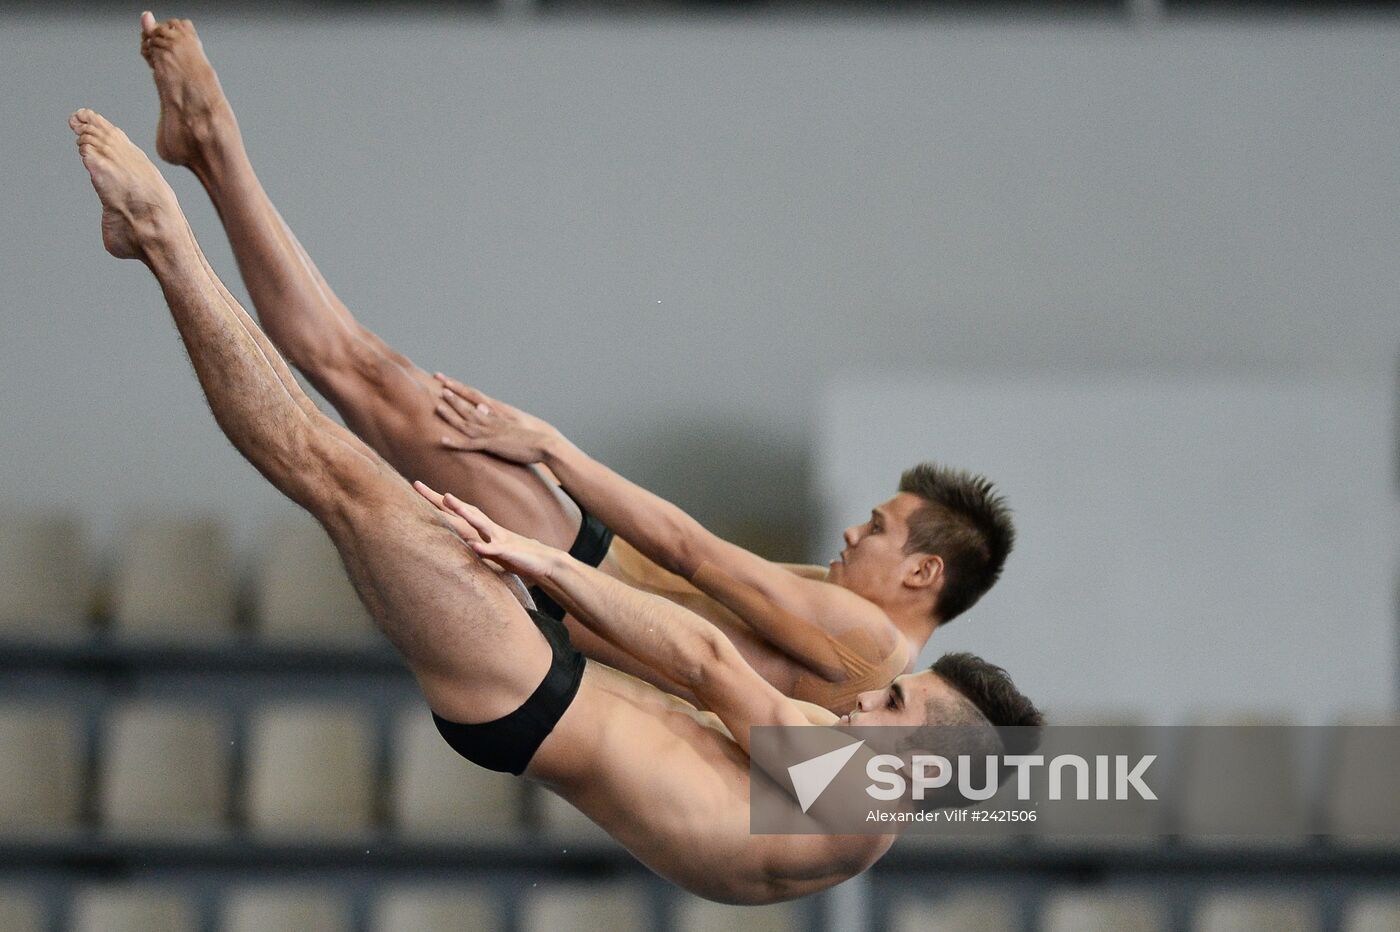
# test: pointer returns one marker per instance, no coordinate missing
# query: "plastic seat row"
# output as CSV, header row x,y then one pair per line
x,y
313,770
1135,911
310,771
606,908
174,580
1225,785
619,907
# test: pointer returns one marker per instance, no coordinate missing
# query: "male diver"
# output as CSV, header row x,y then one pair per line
x,y
507,689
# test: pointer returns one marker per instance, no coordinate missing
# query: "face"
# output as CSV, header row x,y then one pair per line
x,y
873,563
903,702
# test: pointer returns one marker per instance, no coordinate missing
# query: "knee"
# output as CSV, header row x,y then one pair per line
x,y
337,472
334,355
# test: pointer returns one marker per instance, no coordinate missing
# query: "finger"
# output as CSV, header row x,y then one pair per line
x,y
457,505
473,395
463,529
461,444
472,411
474,517
448,413
434,498
456,521
148,22
484,548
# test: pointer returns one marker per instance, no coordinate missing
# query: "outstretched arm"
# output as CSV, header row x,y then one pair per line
x,y
797,614
675,642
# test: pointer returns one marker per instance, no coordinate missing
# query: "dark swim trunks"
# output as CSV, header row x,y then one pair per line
x,y
590,546
508,743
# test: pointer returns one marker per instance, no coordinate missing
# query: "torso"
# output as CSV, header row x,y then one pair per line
x,y
670,784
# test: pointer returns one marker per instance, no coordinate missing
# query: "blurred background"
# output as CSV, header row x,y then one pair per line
x,y
1135,260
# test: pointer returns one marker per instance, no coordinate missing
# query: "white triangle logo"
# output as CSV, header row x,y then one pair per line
x,y
811,777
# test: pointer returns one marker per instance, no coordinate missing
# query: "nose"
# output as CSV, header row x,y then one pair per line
x,y
851,535
870,699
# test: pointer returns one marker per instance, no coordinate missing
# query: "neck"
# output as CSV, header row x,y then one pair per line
x,y
915,623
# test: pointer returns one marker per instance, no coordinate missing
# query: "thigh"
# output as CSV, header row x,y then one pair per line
x,y
391,404
466,637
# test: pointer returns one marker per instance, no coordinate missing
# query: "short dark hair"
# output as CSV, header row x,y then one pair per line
x,y
965,521
988,717
989,688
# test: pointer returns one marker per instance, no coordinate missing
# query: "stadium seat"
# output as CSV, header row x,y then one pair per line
x,y
1134,822
41,770
310,772
45,578
693,914
1360,804
595,908
174,581
165,771
437,793
303,596
21,911
1376,913
1103,912
1233,788
1256,912
429,909
981,911
132,909
285,909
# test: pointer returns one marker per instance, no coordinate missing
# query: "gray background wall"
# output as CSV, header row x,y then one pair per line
x,y
670,236
1187,547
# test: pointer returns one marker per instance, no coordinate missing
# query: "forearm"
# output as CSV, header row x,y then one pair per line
x,y
661,531
678,644
806,571
671,640
791,613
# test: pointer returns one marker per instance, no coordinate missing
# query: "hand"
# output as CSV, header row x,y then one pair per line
x,y
489,540
439,501
480,423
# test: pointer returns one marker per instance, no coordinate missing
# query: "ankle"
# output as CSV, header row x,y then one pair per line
x,y
217,154
161,235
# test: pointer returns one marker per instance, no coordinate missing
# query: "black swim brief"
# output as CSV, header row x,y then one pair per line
x,y
508,743
590,546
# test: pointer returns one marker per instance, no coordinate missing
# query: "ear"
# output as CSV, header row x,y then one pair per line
x,y
926,572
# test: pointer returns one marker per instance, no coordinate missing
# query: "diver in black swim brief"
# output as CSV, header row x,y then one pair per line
x,y
508,743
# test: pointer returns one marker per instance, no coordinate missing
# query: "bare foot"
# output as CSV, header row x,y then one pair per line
x,y
138,207
192,104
